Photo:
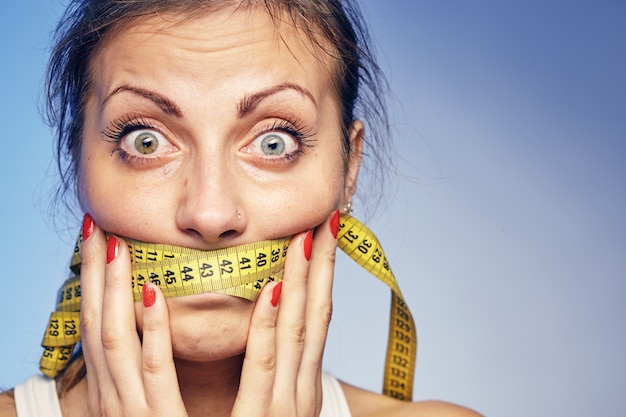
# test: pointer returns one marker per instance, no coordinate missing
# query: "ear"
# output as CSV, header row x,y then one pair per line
x,y
356,133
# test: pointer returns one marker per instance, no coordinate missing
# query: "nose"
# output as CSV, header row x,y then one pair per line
x,y
209,207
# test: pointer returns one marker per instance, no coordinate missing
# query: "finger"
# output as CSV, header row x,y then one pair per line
x,y
318,305
291,328
259,365
159,371
120,341
93,261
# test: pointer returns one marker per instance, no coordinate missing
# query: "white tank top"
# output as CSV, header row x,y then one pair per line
x,y
37,397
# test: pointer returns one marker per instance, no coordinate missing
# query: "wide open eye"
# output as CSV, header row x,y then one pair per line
x,y
144,142
274,144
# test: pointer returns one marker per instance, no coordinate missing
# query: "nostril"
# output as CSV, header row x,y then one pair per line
x,y
195,233
228,233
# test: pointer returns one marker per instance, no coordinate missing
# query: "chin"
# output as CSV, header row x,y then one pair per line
x,y
209,327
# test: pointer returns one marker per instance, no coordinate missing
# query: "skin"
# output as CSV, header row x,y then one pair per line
x,y
210,89
190,193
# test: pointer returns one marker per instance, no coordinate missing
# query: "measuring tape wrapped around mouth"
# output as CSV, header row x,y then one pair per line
x,y
241,271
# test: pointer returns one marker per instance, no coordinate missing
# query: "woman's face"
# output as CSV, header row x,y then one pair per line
x,y
209,133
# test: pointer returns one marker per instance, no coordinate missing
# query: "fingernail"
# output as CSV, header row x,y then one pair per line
x,y
308,244
149,295
113,247
334,224
276,293
87,226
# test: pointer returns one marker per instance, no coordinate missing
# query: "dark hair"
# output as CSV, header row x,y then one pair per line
x,y
361,87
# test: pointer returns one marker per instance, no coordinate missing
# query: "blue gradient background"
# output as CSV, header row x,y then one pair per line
x,y
507,226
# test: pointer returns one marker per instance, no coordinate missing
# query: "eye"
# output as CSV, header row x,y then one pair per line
x,y
137,141
274,144
144,142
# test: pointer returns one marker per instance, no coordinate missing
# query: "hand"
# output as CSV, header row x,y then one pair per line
x,y
282,368
125,377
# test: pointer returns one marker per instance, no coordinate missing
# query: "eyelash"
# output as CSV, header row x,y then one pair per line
x,y
123,126
127,124
295,129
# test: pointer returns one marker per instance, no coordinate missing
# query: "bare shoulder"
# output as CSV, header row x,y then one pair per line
x,y
364,403
7,405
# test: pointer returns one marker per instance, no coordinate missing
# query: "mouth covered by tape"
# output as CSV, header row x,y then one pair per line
x,y
241,271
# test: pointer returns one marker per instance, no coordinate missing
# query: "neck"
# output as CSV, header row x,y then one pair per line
x,y
209,389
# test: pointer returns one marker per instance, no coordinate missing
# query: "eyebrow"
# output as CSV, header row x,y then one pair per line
x,y
247,104
250,102
164,103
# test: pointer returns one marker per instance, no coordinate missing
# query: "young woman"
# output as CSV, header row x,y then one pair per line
x,y
206,125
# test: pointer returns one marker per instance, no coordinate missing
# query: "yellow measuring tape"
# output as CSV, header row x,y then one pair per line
x,y
240,271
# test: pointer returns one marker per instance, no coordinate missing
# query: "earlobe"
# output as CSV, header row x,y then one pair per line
x,y
357,131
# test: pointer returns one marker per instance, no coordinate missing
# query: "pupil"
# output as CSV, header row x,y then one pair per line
x,y
146,143
273,145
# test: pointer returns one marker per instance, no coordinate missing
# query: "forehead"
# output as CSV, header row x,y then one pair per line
x,y
214,44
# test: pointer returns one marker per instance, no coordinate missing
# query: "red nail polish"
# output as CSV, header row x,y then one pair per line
x,y
149,295
87,226
113,247
308,244
334,224
276,293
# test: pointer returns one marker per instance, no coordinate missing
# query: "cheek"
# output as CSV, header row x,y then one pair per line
x,y
116,205
81,182
95,195
91,171
118,202
309,196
